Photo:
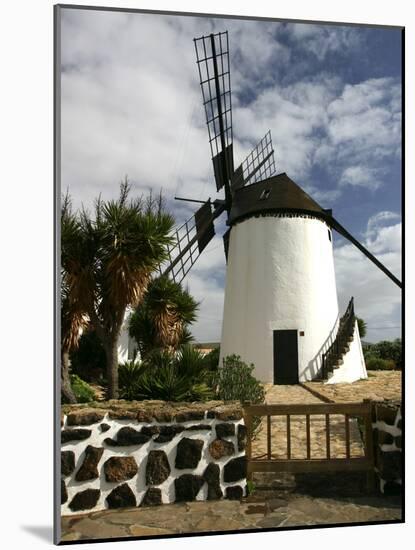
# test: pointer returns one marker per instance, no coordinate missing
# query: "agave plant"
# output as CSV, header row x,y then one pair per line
x,y
167,376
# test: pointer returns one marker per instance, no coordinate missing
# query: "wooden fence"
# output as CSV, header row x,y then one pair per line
x,y
268,462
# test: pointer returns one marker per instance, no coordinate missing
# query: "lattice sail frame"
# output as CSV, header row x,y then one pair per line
x,y
191,238
217,100
258,165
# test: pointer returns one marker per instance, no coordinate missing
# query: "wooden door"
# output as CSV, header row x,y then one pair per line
x,y
285,357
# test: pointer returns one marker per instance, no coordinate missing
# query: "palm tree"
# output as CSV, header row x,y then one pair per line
x,y
73,316
162,320
110,268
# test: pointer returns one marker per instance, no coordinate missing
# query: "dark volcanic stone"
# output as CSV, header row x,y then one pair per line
x,y
158,468
385,438
84,418
225,430
85,500
399,424
187,486
386,413
189,453
391,488
234,493
67,462
64,492
220,447
185,416
120,468
163,415
167,433
235,469
122,415
150,430
242,432
128,436
152,497
225,414
104,427
196,427
89,469
398,441
390,465
144,416
121,497
211,476
75,435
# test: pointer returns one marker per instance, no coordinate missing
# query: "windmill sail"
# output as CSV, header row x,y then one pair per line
x,y
258,165
191,239
212,54
342,231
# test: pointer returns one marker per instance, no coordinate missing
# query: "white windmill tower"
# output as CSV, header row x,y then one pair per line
x,y
281,310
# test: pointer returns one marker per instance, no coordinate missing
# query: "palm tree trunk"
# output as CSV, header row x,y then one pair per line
x,y
111,352
66,388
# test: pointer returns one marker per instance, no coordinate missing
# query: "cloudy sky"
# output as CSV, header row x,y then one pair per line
x,y
331,95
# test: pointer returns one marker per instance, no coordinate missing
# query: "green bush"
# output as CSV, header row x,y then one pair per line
x,y
211,360
236,382
376,363
83,391
166,376
129,378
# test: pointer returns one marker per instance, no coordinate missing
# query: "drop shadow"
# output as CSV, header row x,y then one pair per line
x,y
42,532
314,367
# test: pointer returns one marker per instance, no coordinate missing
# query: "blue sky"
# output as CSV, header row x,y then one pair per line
x,y
331,95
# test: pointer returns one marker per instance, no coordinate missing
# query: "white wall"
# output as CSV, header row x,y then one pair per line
x,y
280,275
353,367
140,453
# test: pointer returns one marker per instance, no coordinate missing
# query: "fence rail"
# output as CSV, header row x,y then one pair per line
x,y
268,463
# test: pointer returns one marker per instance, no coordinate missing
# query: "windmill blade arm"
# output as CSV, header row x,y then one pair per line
x,y
191,239
342,231
258,165
212,57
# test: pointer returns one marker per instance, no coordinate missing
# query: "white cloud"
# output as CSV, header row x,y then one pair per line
x,y
131,104
377,298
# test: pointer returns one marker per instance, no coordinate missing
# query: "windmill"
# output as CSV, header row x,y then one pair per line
x,y
281,310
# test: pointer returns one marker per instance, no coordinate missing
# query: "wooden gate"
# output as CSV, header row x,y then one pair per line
x,y
269,462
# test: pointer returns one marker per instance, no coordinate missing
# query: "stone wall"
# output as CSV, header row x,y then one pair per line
x,y
149,453
387,439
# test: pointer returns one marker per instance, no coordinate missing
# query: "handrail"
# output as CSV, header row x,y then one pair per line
x,y
345,331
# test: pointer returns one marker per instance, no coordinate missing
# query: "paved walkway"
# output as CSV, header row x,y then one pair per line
x,y
255,512
378,386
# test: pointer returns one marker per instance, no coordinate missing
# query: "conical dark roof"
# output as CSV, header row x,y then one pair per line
x,y
278,194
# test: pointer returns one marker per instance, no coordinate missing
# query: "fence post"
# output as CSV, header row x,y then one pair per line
x,y
248,448
369,450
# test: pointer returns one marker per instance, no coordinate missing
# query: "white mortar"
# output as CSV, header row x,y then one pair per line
x,y
140,453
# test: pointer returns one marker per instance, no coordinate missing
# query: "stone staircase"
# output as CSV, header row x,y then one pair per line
x,y
333,357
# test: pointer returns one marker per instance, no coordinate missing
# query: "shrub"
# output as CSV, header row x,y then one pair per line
x,y
129,377
83,391
376,363
166,376
236,382
211,359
